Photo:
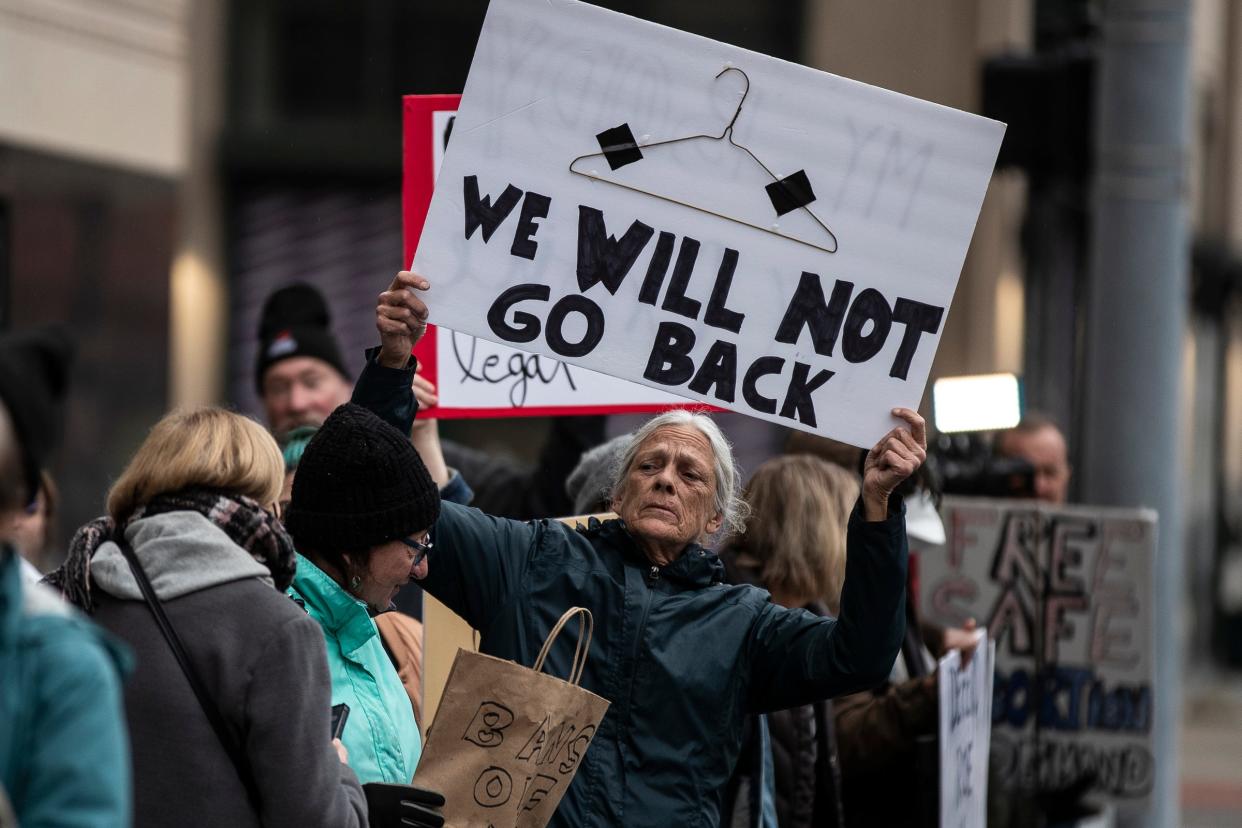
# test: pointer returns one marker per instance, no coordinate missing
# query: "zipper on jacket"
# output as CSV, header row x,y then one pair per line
x,y
623,726
653,574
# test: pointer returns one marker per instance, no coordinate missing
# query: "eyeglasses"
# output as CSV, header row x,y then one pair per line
x,y
420,547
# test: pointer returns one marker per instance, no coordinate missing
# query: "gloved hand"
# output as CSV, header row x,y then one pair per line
x,y
402,806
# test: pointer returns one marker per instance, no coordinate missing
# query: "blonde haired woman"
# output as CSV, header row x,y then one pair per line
x,y
250,744
794,544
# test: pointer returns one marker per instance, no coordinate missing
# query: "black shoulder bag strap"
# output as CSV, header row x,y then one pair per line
x,y
238,757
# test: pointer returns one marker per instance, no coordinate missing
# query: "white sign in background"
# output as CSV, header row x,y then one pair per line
x,y
965,734
440,120
1066,593
476,373
898,181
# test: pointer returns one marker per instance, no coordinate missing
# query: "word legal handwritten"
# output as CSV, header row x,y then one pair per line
x,y
520,368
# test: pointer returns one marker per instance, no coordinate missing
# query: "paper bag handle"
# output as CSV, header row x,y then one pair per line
x,y
585,630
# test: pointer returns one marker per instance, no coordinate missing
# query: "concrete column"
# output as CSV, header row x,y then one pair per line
x,y
1136,318
198,298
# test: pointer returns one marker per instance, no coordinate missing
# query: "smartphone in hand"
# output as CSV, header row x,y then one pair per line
x,y
340,715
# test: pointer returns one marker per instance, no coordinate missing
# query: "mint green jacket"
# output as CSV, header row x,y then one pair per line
x,y
381,734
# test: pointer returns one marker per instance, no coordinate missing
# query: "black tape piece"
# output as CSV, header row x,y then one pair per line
x,y
619,146
791,192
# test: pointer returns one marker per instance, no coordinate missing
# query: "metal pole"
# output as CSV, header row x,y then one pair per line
x,y
1136,318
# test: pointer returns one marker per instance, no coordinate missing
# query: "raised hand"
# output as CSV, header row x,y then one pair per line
x,y
897,456
401,318
962,638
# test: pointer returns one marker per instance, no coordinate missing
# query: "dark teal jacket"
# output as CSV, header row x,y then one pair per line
x,y
681,657
64,752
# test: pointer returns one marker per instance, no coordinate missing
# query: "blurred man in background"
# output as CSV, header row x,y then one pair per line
x,y
1038,441
299,373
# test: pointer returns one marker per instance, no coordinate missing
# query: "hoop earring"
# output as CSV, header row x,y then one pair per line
x,y
354,583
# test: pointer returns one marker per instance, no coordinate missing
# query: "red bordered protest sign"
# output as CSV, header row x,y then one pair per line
x,y
474,377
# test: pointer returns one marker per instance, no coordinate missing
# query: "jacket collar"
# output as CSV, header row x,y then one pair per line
x,y
338,612
182,552
697,567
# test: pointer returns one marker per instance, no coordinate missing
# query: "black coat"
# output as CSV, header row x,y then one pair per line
x,y
803,742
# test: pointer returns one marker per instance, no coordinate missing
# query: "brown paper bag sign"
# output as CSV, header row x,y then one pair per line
x,y
507,739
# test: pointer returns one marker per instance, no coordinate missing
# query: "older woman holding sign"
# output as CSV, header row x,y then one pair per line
x,y
681,657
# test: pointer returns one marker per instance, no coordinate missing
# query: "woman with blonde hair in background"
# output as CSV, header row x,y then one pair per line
x,y
794,544
886,736
229,711
794,547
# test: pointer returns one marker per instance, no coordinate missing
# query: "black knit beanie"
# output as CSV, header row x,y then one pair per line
x,y
34,377
296,322
360,484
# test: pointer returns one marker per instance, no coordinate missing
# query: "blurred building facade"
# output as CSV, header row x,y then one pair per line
x,y
166,163
92,153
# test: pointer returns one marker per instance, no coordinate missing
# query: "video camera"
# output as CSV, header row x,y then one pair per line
x,y
968,467
964,408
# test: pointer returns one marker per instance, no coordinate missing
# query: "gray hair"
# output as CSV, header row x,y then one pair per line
x,y
591,482
729,503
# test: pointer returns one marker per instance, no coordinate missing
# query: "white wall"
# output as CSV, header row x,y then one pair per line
x,y
98,80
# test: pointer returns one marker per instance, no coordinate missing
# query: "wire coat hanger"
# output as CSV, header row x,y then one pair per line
x,y
628,145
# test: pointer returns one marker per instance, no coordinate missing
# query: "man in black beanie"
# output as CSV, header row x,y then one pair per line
x,y
299,373
64,754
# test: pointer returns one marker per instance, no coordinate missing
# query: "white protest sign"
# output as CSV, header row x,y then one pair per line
x,y
570,221
1067,596
965,734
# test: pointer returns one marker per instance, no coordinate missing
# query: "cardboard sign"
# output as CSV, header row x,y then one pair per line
x,y
702,219
475,377
965,733
1066,594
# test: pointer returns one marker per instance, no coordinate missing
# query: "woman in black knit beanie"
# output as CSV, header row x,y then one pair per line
x,y
361,508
